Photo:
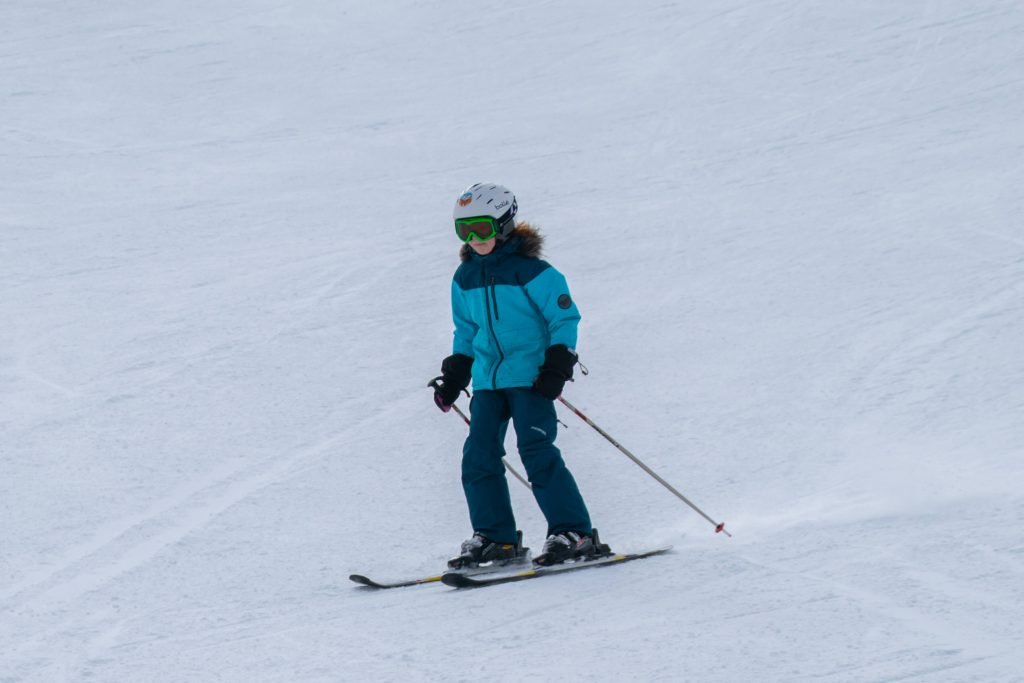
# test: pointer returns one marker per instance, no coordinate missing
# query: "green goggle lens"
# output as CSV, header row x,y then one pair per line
x,y
483,228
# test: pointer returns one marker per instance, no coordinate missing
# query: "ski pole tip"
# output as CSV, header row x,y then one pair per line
x,y
720,528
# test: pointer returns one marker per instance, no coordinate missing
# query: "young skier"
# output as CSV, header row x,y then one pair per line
x,y
515,338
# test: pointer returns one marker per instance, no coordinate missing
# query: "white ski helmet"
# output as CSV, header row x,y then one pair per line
x,y
488,199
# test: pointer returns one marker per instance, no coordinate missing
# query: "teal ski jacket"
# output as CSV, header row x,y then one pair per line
x,y
508,308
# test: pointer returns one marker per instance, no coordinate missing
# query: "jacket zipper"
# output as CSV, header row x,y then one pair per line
x,y
488,295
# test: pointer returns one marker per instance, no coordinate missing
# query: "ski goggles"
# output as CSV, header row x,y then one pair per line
x,y
482,228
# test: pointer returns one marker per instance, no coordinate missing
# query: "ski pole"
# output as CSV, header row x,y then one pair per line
x,y
719,526
511,469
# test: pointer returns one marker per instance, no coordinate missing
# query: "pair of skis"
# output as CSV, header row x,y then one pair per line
x,y
459,579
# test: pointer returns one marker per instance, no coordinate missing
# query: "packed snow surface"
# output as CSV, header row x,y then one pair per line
x,y
793,229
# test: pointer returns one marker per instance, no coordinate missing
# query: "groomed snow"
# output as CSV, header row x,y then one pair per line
x,y
794,232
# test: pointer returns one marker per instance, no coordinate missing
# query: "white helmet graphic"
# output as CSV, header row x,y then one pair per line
x,y
488,199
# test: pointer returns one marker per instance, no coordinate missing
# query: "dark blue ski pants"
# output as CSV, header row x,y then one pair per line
x,y
483,473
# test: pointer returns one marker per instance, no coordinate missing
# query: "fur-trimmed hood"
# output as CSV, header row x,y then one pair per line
x,y
524,239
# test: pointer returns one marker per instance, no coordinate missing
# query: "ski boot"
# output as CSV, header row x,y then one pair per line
x,y
571,546
482,551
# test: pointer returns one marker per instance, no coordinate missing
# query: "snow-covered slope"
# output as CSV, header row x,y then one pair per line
x,y
793,230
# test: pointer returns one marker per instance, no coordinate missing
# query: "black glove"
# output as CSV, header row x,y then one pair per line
x,y
456,373
556,371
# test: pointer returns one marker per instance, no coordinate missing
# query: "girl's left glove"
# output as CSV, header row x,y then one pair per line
x,y
559,361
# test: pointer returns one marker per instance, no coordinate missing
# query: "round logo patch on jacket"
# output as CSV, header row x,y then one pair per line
x,y
564,301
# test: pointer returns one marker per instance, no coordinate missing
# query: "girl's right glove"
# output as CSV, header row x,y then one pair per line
x,y
556,371
456,373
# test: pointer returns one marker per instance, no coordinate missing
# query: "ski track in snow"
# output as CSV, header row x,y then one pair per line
x,y
915,350
128,544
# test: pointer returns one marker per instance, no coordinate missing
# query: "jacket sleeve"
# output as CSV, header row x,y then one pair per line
x,y
550,292
465,328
